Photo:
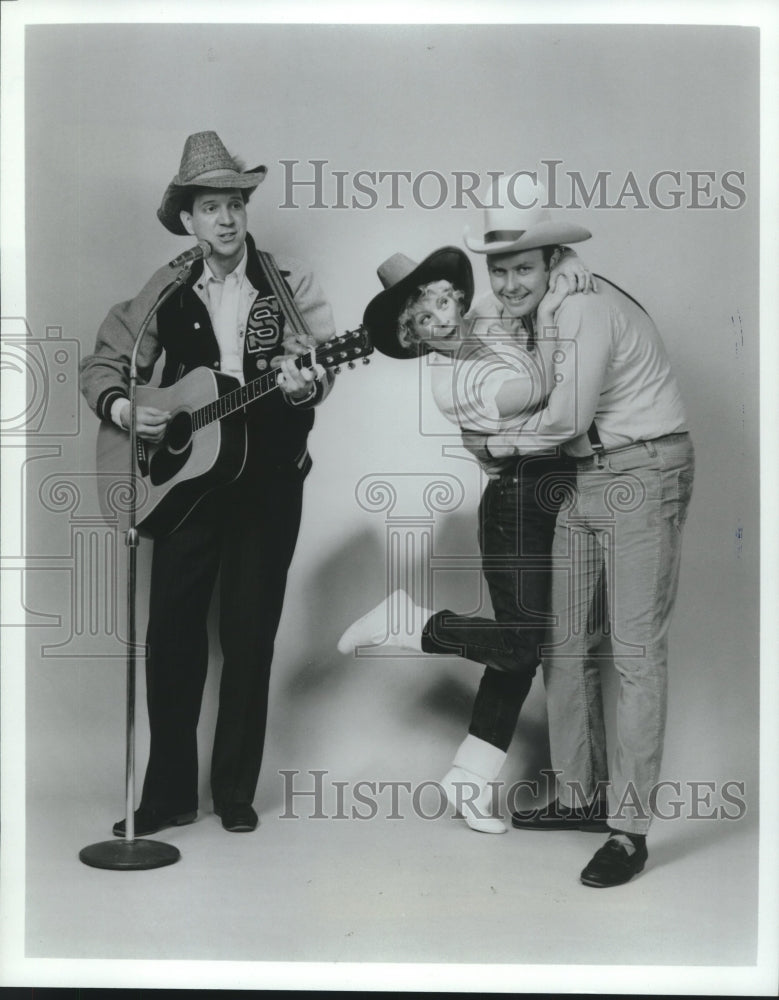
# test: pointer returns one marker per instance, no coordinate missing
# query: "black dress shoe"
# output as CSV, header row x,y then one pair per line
x,y
146,821
612,864
555,816
238,817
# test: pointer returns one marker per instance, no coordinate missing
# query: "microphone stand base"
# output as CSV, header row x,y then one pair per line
x,y
129,855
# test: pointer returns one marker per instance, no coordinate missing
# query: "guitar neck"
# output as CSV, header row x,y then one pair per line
x,y
236,399
353,344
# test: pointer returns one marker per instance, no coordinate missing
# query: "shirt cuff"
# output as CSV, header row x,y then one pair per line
x,y
300,401
496,447
117,408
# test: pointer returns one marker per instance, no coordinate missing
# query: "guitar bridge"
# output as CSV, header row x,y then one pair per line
x,y
141,458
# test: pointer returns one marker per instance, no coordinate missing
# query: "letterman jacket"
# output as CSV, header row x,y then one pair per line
x,y
277,429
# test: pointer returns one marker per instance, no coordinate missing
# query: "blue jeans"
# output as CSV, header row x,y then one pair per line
x,y
517,518
616,553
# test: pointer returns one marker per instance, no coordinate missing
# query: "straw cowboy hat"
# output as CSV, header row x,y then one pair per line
x,y
512,227
204,163
400,276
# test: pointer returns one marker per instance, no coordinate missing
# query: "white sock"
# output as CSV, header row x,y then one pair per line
x,y
397,621
467,784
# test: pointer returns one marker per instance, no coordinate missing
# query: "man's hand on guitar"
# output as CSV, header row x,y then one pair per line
x,y
294,382
297,383
150,423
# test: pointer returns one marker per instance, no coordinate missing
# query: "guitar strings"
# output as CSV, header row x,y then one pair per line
x,y
239,397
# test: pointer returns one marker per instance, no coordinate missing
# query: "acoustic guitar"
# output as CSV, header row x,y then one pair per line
x,y
205,441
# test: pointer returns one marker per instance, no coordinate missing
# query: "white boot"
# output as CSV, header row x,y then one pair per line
x,y
466,783
397,622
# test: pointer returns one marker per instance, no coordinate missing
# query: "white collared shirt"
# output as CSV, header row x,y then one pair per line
x,y
228,301
612,368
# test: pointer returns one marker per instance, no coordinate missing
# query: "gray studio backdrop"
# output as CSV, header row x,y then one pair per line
x,y
107,112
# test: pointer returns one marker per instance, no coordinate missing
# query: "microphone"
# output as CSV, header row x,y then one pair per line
x,y
199,252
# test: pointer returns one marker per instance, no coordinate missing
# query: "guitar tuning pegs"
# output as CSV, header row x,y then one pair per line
x,y
337,370
366,361
351,365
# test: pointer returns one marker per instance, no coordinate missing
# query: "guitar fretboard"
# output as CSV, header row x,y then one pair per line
x,y
233,401
343,349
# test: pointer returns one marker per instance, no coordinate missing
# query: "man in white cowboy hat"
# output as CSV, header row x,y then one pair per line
x,y
616,409
421,310
231,315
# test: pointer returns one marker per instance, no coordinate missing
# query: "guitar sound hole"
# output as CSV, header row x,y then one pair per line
x,y
179,432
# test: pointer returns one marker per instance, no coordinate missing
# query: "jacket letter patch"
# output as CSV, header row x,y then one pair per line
x,y
264,329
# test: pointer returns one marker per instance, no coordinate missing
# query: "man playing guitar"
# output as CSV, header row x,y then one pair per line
x,y
229,317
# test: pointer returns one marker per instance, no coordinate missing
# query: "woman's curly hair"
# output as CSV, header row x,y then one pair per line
x,y
407,335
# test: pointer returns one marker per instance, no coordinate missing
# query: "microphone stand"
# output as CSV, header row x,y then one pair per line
x,y
127,853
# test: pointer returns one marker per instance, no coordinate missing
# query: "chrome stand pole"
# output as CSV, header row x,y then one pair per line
x,y
127,853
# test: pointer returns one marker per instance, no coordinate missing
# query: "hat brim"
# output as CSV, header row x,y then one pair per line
x,y
540,235
169,211
382,312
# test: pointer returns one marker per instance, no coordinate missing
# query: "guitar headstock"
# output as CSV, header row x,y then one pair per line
x,y
344,349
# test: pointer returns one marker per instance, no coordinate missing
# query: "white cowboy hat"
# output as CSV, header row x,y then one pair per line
x,y
520,221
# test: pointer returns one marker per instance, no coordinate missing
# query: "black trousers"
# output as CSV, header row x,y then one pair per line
x,y
517,518
247,532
